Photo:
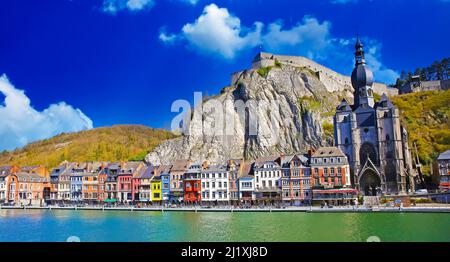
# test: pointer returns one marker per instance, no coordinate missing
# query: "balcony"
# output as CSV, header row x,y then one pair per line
x,y
268,189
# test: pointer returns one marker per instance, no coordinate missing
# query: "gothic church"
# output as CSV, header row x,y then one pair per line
x,y
371,136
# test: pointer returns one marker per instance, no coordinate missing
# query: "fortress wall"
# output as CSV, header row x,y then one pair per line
x,y
391,91
331,79
430,85
445,84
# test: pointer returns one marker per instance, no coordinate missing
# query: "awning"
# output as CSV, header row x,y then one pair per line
x,y
334,191
110,200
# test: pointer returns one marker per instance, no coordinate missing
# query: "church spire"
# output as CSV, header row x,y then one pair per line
x,y
362,79
359,53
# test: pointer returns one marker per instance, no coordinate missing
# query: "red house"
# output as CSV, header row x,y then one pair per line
x,y
124,180
192,183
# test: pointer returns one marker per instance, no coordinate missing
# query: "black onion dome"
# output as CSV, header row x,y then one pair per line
x,y
362,76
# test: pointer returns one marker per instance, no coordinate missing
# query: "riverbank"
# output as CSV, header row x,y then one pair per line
x,y
313,209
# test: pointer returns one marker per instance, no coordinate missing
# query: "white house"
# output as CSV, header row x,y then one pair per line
x,y
215,184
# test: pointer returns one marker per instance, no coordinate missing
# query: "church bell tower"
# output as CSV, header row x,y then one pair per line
x,y
362,79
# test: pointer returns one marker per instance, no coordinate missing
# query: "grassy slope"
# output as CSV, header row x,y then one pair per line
x,y
426,116
119,142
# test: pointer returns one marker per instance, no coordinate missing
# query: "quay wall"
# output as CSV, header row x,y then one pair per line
x,y
445,209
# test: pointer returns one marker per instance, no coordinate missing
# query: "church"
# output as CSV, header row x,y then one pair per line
x,y
371,136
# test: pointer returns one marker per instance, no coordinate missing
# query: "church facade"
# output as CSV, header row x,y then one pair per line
x,y
371,136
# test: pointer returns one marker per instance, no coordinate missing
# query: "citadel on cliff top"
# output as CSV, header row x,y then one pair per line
x,y
330,78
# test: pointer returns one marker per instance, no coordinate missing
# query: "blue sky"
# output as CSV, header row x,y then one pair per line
x,y
84,64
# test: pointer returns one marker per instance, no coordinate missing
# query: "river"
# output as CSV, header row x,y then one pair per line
x,y
59,225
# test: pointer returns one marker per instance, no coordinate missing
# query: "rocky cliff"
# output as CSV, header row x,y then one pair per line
x,y
300,117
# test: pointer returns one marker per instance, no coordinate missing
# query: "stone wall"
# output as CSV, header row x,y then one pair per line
x,y
331,79
425,86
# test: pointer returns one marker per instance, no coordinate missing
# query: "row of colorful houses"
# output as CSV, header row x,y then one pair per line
x,y
296,179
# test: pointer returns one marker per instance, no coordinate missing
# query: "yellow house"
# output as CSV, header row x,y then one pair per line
x,y
156,189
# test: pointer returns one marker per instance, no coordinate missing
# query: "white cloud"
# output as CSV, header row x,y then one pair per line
x,y
373,60
21,123
192,2
220,33
167,38
343,2
309,35
114,6
217,31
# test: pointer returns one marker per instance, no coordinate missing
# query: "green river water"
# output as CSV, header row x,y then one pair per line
x,y
58,225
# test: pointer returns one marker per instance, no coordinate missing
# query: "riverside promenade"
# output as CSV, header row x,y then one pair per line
x,y
312,209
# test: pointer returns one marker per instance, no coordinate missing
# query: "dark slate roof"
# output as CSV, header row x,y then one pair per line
x,y
260,161
384,102
344,106
444,156
218,168
180,165
146,173
328,151
5,170
30,177
114,166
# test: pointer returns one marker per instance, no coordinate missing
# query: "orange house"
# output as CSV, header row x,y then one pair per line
x,y
329,168
42,172
101,185
90,187
27,188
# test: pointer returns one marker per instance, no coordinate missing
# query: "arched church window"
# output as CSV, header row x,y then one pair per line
x,y
368,150
386,115
388,138
346,141
390,173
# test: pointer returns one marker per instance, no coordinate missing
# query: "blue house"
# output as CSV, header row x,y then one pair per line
x,y
165,181
76,185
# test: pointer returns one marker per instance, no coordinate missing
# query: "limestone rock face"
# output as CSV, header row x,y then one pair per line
x,y
287,107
